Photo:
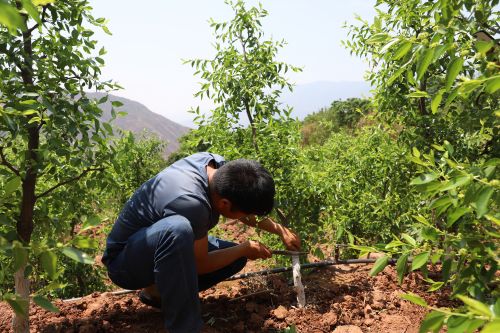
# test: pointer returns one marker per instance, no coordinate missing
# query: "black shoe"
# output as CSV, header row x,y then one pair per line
x,y
149,300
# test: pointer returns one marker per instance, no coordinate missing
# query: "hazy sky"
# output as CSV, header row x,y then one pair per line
x,y
150,39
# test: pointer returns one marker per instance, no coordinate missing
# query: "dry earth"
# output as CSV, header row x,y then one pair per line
x,y
340,299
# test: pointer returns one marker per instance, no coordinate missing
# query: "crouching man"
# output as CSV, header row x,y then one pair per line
x,y
159,243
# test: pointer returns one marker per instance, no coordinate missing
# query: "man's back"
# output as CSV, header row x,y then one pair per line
x,y
181,188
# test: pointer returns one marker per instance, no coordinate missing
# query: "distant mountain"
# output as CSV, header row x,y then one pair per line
x,y
140,118
311,97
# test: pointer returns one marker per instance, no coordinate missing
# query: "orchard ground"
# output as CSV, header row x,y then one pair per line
x,y
340,298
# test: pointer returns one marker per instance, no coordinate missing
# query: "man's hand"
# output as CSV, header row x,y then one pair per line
x,y
256,250
290,239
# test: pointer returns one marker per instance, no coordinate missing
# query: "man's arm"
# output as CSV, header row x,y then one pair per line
x,y
289,238
207,262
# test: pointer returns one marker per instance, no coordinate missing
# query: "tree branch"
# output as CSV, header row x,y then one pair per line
x,y
84,172
42,20
7,163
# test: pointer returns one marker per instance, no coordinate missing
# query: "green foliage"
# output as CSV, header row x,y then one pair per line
x,y
51,139
474,314
137,159
11,13
359,182
242,78
432,71
341,115
436,76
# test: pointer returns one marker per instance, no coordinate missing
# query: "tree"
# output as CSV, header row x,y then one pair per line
x,y
435,73
51,135
243,78
245,81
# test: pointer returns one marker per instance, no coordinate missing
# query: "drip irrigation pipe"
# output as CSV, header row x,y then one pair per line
x,y
274,271
307,266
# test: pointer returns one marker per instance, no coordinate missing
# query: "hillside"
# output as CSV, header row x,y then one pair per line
x,y
140,118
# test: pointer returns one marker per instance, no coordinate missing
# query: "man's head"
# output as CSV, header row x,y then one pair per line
x,y
243,186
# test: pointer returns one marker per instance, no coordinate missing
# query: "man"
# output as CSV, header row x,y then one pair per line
x,y
160,243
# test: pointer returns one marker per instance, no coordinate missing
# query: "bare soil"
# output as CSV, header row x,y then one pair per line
x,y
340,299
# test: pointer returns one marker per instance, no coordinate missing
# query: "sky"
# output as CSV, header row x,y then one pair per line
x,y
150,38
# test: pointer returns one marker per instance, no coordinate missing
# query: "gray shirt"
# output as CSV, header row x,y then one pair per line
x,y
181,188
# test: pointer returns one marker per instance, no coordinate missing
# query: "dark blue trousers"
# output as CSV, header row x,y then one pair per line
x,y
163,254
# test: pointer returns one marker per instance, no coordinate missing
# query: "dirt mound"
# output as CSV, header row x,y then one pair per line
x,y
340,299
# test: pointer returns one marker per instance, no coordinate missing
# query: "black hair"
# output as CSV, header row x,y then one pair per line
x,y
247,184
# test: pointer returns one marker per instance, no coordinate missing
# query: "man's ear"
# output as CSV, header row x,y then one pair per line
x,y
226,205
223,205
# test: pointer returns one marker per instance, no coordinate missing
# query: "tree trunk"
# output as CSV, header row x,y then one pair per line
x,y
24,225
252,125
20,323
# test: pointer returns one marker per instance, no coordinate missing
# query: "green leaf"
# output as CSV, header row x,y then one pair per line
x,y
401,266
474,324
430,234
429,187
492,85
117,103
394,244
423,179
418,94
363,248
414,299
45,303
19,305
42,2
493,327
455,182
454,215
496,308
421,219
435,286
108,128
389,45
85,242
410,240
483,46
468,86
457,324
106,30
432,322
420,260
437,100
379,265
12,185
440,202
424,63
20,255
29,112
378,38
77,255
10,17
32,10
394,76
476,306
402,50
452,71
49,263
91,222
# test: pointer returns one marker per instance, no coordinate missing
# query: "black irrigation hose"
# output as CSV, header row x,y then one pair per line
x,y
274,271
307,266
